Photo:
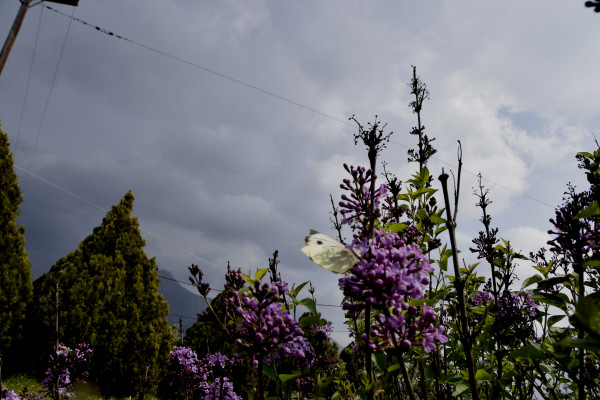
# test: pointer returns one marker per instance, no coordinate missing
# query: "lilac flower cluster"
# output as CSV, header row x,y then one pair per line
x,y
221,388
6,394
9,395
389,273
482,298
184,372
188,376
60,376
263,326
319,336
520,301
514,315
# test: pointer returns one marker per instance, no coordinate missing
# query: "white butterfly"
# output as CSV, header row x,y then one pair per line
x,y
328,253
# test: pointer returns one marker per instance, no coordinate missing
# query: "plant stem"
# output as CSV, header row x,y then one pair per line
x,y
403,370
261,392
464,336
580,332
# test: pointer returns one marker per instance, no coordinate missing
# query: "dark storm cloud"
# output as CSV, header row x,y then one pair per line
x,y
224,172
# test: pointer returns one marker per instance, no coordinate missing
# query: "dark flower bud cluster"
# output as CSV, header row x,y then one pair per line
x,y
316,356
358,209
486,245
196,280
573,237
234,282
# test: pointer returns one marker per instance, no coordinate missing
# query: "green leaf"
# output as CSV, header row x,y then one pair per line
x,y
418,302
310,304
309,320
260,273
483,375
460,388
544,270
554,319
379,360
545,368
440,229
588,313
422,191
269,371
531,280
591,210
396,228
529,352
297,290
550,282
286,377
451,378
574,363
592,262
395,366
550,299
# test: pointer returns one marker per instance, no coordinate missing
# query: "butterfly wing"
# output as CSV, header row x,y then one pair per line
x,y
328,253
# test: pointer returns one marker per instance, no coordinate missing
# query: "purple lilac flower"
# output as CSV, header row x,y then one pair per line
x,y
482,298
58,383
514,315
9,395
390,273
263,327
221,389
317,357
189,376
185,374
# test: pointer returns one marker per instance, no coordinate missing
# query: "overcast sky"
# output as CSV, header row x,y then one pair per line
x,y
229,119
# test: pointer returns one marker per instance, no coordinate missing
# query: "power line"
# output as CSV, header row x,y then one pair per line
x,y
147,232
206,69
29,77
143,230
219,291
90,203
37,137
483,178
269,93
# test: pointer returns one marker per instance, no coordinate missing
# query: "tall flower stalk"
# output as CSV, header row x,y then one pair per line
x,y
392,271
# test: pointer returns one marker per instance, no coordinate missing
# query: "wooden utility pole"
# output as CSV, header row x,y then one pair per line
x,y
12,35
56,306
181,330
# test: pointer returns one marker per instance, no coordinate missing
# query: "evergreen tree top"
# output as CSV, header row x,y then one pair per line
x,y
10,195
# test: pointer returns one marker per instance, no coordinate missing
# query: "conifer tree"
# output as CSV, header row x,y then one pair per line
x,y
109,298
15,268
